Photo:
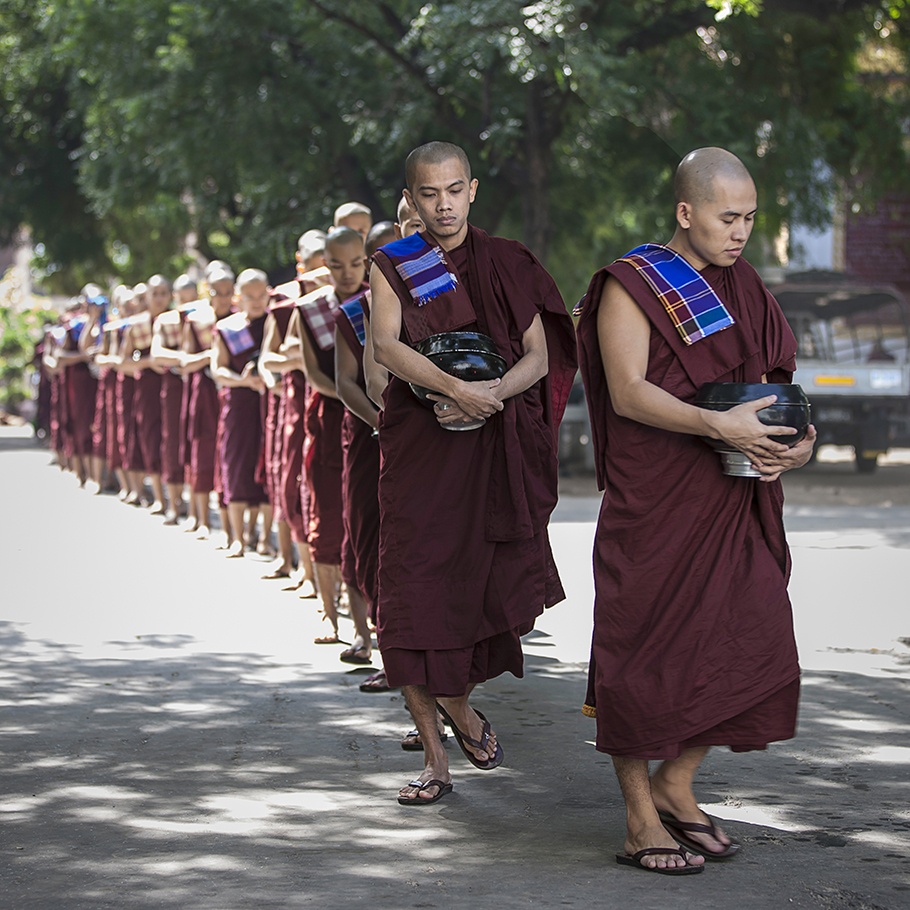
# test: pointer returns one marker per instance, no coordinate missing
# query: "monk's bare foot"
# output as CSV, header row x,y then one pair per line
x,y
132,498
283,571
306,590
409,793
191,527
170,517
263,548
360,652
202,532
235,550
680,803
226,541
640,837
157,508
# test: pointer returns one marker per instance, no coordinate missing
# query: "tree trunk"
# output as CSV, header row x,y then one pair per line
x,y
536,193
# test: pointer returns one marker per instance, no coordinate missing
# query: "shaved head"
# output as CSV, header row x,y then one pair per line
x,y
698,171
381,234
341,236
434,153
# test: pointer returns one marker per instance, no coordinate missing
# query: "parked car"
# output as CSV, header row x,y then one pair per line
x,y
853,359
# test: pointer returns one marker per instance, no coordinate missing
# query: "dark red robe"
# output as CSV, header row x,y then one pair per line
x,y
112,447
81,390
291,482
147,414
241,436
127,429
359,487
274,421
99,421
465,564
693,636
203,416
170,403
322,457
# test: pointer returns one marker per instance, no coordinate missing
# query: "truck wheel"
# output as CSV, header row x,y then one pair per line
x,y
866,462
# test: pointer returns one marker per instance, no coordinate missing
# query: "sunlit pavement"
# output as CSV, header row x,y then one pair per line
x,y
171,737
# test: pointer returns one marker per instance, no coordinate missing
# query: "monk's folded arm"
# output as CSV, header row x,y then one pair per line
x,y
314,376
376,375
476,399
532,366
163,356
221,370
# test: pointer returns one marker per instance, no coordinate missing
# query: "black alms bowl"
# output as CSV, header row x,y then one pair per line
x,y
469,356
790,410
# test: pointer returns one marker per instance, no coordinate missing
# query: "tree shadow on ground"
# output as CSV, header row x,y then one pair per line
x,y
229,780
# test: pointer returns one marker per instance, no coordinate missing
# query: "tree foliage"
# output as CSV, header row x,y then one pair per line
x,y
132,124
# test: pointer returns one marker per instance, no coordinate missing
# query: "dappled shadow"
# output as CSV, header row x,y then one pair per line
x,y
216,780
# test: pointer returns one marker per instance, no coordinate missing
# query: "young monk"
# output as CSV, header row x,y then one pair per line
x,y
235,352
91,343
313,325
311,270
203,406
147,397
465,564
360,464
356,216
167,358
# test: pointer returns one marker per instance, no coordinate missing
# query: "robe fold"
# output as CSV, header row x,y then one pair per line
x,y
147,412
81,392
291,491
171,401
112,447
359,487
693,637
202,419
465,565
322,461
100,420
241,429
281,311
127,429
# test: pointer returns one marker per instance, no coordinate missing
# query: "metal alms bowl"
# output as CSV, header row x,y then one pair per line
x,y
469,356
791,409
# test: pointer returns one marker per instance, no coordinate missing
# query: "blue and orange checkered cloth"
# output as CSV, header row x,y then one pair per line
x,y
689,300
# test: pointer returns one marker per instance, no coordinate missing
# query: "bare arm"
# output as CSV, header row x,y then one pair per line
x,y
314,376
377,376
275,358
475,399
225,376
624,334
163,357
351,395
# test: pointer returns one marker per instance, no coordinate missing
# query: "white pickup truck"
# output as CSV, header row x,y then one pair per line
x,y
853,360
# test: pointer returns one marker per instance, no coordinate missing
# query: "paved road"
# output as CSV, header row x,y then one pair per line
x,y
171,739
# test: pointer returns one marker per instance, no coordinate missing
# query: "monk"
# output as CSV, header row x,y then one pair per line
x,y
106,360
693,637
91,343
313,326
311,270
185,290
167,359
354,215
147,396
134,310
465,565
360,464
203,407
235,352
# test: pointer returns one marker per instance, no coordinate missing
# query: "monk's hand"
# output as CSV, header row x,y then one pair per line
x,y
447,411
741,428
772,467
476,399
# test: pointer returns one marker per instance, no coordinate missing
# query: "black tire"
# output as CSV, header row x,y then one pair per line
x,y
866,464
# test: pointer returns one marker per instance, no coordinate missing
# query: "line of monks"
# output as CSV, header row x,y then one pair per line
x,y
250,399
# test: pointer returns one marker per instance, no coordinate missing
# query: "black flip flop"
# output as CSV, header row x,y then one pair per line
x,y
422,785
678,830
418,746
634,860
462,738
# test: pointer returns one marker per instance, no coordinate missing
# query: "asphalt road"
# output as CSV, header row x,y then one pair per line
x,y
170,738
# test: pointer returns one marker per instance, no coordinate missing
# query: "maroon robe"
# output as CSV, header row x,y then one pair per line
x,y
322,455
465,564
127,428
112,447
291,482
170,404
57,413
693,636
147,414
81,389
274,421
100,420
359,487
202,422
241,436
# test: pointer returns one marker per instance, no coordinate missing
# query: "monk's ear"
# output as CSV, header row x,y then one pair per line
x,y
410,199
684,215
472,188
